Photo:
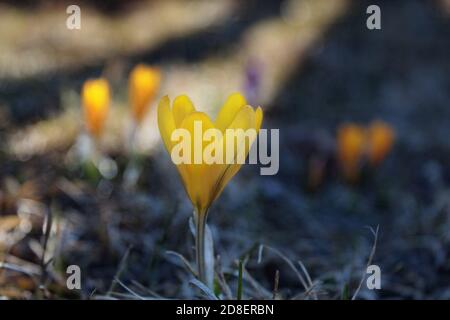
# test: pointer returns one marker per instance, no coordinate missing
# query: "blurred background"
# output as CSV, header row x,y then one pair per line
x,y
314,68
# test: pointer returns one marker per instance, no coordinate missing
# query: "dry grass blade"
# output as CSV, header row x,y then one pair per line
x,y
276,284
369,261
308,278
47,228
260,290
304,295
104,298
120,269
289,263
147,290
185,262
16,268
222,281
204,289
128,289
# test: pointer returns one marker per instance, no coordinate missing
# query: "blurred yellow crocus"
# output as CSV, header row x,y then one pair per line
x,y
143,85
205,181
96,99
380,141
350,150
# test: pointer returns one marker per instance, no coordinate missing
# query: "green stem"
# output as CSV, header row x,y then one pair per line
x,y
200,224
239,292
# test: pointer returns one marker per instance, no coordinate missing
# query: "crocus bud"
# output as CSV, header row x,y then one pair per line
x,y
381,138
350,149
96,99
143,85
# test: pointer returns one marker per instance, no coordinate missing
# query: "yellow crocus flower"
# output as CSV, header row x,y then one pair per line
x,y
381,138
96,99
350,149
204,182
143,84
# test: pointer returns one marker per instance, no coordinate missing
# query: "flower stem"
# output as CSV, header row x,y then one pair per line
x,y
200,224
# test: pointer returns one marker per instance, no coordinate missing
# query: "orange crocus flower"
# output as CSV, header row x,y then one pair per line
x,y
350,149
143,84
381,138
96,99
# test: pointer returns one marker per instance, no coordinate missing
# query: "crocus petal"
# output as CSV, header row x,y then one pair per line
x,y
381,138
200,177
245,119
182,107
229,111
351,141
144,82
258,118
96,98
166,122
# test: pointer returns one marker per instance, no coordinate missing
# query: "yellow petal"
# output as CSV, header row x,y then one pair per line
x,y
96,98
166,122
246,119
351,140
258,118
229,111
381,138
144,82
182,107
199,178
